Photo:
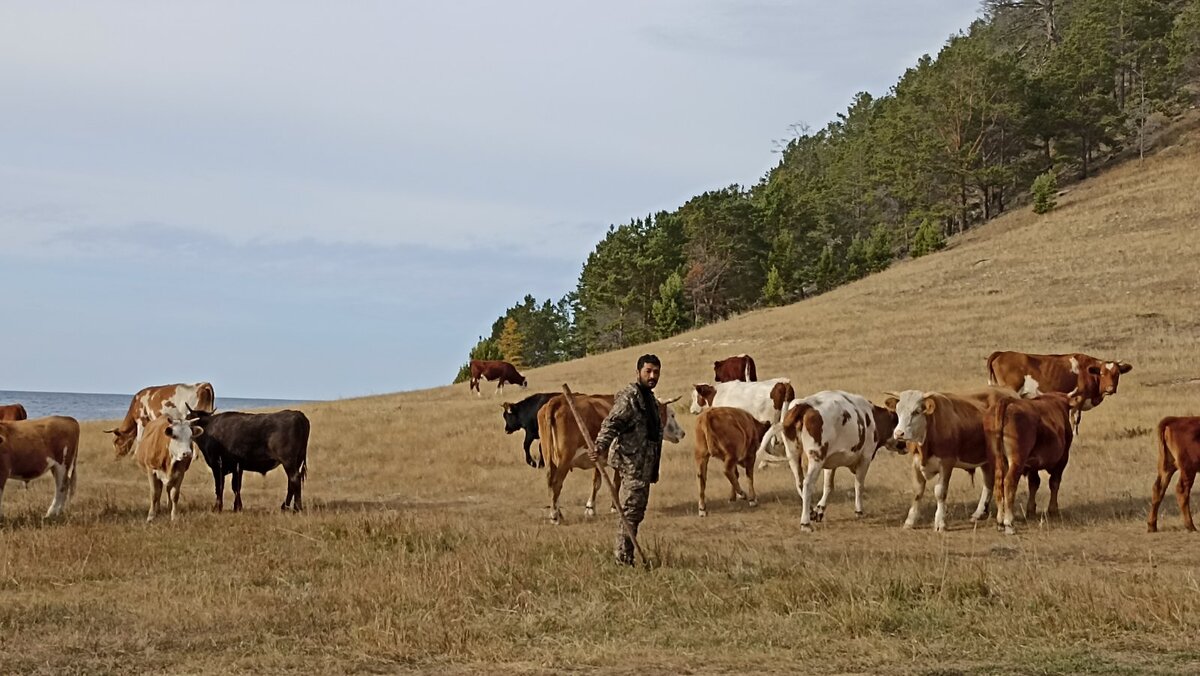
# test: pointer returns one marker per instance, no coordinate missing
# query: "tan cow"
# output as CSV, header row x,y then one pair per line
x,y
165,451
1026,436
732,436
30,448
1085,379
945,431
149,403
1178,449
12,413
565,448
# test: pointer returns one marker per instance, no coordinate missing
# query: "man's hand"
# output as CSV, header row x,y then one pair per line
x,y
594,454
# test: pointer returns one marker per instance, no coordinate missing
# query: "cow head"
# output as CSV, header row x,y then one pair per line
x,y
182,433
123,439
702,397
511,422
912,408
1109,374
885,426
672,430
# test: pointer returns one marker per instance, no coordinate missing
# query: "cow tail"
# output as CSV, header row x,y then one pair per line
x,y
996,446
991,364
550,468
73,450
1161,440
751,370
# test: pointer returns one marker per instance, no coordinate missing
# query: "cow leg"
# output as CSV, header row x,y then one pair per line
x,y
1012,478
1035,482
940,490
529,458
156,487
236,482
919,482
860,481
173,485
1166,468
295,483
702,477
1183,494
735,486
826,490
3,480
1055,482
555,481
752,497
60,489
218,473
988,479
589,509
815,465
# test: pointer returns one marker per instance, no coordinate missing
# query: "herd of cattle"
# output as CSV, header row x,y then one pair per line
x,y
162,429
1023,423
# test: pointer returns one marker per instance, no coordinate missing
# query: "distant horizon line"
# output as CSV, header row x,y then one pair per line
x,y
130,394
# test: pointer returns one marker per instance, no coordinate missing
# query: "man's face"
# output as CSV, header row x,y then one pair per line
x,y
648,376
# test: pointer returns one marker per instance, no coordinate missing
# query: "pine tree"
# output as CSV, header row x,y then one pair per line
x,y
670,310
773,292
512,343
929,238
1044,190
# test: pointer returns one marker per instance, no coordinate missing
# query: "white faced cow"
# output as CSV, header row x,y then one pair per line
x,y
765,400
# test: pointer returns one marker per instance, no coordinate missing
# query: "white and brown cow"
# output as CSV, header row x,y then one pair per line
x,y
165,451
765,400
732,436
149,403
833,429
565,448
1085,380
738,368
30,448
1026,436
943,432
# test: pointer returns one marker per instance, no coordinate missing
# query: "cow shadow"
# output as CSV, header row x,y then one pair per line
x,y
393,504
718,502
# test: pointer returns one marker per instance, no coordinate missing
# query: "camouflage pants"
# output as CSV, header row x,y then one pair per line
x,y
633,495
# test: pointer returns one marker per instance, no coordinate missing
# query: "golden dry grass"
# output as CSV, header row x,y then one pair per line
x,y
426,547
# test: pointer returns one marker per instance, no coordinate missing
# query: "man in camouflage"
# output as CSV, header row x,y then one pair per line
x,y
630,440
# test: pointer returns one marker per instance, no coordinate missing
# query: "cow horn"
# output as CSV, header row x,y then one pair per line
x,y
891,394
673,400
112,431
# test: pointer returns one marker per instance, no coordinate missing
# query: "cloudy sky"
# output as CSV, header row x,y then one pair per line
x,y
328,199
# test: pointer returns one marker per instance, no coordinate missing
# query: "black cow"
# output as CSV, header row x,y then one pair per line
x,y
233,443
523,416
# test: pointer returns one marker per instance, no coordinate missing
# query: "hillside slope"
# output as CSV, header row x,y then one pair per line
x,y
426,544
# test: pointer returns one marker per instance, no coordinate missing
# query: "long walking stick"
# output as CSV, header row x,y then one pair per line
x,y
591,444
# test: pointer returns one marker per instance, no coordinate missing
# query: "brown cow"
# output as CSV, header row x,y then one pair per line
x,y
1085,379
945,431
30,448
740,367
1026,436
501,371
565,448
150,402
733,436
165,451
1178,449
12,413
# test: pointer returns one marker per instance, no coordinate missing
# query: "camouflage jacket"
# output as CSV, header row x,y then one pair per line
x,y
625,439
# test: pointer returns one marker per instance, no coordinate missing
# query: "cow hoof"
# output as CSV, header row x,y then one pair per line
x,y
753,503
1151,528
817,515
939,528
858,515
150,519
978,517
907,525
1009,530
588,511
806,528
703,512
217,507
612,510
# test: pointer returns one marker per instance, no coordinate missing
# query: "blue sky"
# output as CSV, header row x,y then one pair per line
x,y
319,199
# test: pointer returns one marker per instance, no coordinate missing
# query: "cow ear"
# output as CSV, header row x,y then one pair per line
x,y
1094,370
891,403
197,431
929,405
1123,367
169,432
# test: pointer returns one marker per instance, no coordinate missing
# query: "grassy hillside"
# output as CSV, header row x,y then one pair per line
x,y
426,545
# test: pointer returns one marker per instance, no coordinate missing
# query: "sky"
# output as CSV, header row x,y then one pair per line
x,y
301,199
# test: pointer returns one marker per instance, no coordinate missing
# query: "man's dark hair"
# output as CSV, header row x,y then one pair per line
x,y
648,359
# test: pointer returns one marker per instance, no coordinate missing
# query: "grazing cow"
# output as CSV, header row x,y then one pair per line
x,y
736,368
565,447
164,450
149,403
732,436
501,371
1026,436
254,442
764,400
1178,449
833,429
945,431
12,413
1083,378
30,448
523,416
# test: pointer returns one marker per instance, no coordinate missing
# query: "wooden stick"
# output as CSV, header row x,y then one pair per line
x,y
591,444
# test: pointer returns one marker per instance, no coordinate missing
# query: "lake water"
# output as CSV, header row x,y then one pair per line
x,y
110,406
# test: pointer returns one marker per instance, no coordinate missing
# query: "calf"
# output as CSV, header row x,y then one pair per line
x,y
30,448
833,429
1026,436
523,416
164,450
737,368
1178,449
566,448
944,432
732,436
254,442
13,413
151,402
764,400
500,371
1086,380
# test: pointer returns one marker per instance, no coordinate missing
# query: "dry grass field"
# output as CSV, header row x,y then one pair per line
x,y
426,547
